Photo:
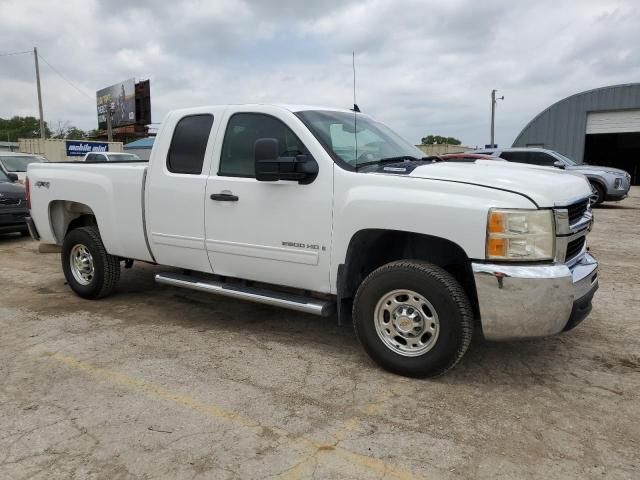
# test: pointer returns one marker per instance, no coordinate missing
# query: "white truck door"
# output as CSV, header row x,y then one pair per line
x,y
274,232
175,189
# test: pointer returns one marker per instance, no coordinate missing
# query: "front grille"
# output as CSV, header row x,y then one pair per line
x,y
9,201
577,210
575,247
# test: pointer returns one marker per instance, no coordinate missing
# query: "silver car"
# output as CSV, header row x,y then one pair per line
x,y
607,183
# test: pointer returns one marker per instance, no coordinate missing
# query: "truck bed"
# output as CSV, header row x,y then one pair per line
x,y
112,191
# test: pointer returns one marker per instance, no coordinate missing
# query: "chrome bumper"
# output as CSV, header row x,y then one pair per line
x,y
525,301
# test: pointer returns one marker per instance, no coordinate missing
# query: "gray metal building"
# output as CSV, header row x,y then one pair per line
x,y
600,126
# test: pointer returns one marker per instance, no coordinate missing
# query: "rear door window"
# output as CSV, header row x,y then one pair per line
x,y
189,143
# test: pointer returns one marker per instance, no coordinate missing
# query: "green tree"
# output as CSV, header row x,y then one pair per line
x,y
21,127
75,133
94,133
437,139
60,130
64,130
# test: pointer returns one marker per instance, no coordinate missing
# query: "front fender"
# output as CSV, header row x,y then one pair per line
x,y
452,211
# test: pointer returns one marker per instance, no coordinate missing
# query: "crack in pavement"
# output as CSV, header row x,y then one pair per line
x,y
316,449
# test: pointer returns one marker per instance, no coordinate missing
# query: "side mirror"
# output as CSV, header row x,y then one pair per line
x,y
269,167
12,176
559,164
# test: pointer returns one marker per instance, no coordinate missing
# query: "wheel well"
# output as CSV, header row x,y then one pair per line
x,y
66,216
598,182
370,249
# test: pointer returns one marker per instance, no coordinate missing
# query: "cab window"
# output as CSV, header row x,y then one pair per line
x,y
243,129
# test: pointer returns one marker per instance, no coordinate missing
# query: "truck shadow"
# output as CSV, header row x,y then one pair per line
x,y
525,363
12,237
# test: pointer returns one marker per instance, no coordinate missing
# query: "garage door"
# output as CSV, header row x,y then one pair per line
x,y
621,121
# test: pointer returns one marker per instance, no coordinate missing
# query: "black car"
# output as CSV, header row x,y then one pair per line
x,y
13,205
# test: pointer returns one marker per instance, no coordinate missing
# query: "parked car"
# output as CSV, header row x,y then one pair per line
x,y
319,210
14,162
13,205
94,157
607,183
463,157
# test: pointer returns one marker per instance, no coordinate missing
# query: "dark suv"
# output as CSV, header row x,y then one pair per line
x,y
13,205
607,183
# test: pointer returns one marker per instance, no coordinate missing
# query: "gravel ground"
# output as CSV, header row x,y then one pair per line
x,y
158,382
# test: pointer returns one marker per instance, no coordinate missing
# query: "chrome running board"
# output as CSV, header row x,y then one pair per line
x,y
314,306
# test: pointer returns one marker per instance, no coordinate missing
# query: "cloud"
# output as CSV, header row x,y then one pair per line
x,y
422,66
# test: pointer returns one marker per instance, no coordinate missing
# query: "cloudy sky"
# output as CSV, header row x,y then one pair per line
x,y
422,66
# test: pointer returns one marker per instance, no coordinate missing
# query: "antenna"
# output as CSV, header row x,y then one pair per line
x,y
355,107
353,64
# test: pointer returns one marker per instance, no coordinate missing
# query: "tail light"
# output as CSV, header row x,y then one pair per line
x,y
27,191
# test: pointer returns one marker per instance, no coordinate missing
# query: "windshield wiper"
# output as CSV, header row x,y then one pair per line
x,y
401,158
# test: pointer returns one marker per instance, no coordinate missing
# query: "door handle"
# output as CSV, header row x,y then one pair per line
x,y
224,197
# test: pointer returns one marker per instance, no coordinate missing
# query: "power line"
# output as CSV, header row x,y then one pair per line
x,y
14,53
66,79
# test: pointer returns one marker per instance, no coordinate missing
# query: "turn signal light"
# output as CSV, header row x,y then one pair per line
x,y
496,222
497,247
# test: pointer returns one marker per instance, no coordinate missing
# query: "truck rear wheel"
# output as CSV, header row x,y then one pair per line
x,y
90,271
413,318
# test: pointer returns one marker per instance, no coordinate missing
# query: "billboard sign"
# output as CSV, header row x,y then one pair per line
x,y
77,148
121,98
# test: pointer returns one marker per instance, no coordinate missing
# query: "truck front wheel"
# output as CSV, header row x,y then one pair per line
x,y
413,318
90,271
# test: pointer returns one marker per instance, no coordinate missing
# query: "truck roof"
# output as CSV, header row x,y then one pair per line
x,y
289,107
301,108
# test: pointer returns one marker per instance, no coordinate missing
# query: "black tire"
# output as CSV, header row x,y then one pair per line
x,y
445,295
106,267
599,193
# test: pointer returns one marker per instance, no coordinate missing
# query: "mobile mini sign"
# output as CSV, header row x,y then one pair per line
x,y
80,148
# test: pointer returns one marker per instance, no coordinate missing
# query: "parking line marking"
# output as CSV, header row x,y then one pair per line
x,y
318,449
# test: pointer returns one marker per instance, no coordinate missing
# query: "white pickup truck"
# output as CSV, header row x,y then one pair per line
x,y
317,209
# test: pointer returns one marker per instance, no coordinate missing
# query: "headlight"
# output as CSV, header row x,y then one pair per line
x,y
520,235
617,183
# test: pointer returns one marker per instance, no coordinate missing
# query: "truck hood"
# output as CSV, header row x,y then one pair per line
x,y
547,187
595,169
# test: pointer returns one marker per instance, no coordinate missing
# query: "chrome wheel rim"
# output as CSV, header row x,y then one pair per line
x,y
593,198
406,322
81,263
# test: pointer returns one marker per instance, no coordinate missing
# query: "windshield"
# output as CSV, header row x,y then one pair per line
x,y
18,164
3,177
123,157
565,159
356,138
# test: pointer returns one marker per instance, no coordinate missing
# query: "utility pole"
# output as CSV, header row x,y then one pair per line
x,y
109,129
494,100
43,133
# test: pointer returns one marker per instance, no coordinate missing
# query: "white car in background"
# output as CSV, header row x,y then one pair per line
x,y
13,162
102,157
